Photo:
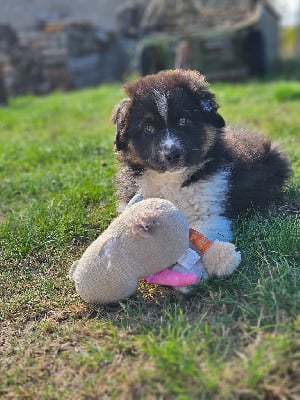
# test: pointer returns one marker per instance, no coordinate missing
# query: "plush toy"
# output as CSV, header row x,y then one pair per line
x,y
146,238
145,241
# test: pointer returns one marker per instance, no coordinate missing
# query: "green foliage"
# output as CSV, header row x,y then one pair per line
x,y
288,40
232,338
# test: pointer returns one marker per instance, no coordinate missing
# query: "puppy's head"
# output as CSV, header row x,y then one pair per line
x,y
169,121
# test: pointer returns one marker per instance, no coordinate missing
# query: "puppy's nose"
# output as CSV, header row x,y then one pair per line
x,y
171,153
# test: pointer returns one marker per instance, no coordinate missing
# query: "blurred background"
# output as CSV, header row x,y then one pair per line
x,y
69,44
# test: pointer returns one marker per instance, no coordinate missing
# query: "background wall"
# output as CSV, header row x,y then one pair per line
x,y
23,13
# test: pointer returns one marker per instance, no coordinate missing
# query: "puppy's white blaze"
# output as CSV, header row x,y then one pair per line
x,y
170,141
161,101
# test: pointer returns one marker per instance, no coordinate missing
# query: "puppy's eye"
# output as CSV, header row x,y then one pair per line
x,y
183,121
149,129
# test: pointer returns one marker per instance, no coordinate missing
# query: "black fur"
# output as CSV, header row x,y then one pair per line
x,y
259,170
205,145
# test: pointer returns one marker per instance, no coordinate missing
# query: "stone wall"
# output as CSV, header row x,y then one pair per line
x,y
63,55
22,14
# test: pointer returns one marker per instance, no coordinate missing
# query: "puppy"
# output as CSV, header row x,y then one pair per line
x,y
172,143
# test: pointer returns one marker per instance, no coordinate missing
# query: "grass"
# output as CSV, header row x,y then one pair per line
x,y
235,338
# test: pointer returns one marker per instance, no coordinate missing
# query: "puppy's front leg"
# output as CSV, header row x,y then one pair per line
x,y
216,227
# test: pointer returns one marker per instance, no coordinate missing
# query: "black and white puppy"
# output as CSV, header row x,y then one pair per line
x,y
172,143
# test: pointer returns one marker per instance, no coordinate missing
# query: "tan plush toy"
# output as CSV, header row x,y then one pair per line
x,y
146,241
146,238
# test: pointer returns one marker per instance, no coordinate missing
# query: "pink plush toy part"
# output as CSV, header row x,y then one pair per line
x,y
170,277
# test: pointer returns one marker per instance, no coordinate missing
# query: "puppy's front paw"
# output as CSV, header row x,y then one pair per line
x,y
221,259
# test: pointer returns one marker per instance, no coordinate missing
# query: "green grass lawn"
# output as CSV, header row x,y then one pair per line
x,y
234,338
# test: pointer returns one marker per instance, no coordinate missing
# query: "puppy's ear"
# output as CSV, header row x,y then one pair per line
x,y
119,118
119,110
209,109
205,99
216,119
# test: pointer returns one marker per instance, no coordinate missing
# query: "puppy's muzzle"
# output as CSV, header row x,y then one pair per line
x,y
171,154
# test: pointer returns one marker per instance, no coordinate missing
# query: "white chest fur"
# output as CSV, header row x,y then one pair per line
x,y
202,202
